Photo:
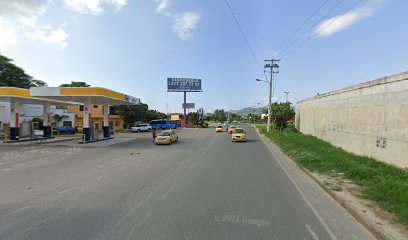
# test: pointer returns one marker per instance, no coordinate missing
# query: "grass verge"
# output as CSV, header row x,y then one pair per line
x,y
383,183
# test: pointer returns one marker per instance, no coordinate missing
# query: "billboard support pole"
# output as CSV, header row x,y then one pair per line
x,y
185,106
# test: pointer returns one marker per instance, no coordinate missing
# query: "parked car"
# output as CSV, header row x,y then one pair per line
x,y
66,130
143,127
238,135
166,137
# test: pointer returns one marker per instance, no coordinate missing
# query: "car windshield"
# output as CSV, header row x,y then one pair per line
x,y
239,131
219,126
165,134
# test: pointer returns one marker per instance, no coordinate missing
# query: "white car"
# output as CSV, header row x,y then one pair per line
x,y
143,127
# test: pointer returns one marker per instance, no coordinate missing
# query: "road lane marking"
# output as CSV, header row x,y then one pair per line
x,y
299,190
184,174
312,233
67,190
144,219
15,211
167,193
102,176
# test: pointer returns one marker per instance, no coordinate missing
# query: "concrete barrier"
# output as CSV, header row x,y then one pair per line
x,y
369,119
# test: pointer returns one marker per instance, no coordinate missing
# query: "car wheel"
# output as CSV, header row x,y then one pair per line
x,y
170,142
149,129
177,139
138,130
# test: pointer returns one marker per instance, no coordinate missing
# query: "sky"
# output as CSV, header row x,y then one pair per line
x,y
132,46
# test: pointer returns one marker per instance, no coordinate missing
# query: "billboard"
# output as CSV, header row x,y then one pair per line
x,y
183,85
188,105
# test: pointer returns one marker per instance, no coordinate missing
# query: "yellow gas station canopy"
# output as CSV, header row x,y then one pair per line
x,y
94,95
24,96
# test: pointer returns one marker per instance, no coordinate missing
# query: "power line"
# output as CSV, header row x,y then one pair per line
x,y
245,39
314,25
243,34
321,29
301,26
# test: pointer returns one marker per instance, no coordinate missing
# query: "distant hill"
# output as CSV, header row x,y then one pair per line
x,y
248,110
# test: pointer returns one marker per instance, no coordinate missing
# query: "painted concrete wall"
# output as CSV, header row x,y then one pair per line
x,y
369,119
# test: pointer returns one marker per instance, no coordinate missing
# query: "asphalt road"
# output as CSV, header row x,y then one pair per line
x,y
203,187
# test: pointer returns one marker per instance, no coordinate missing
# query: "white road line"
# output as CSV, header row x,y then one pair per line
x,y
15,211
299,190
67,190
167,193
312,233
144,219
184,174
102,176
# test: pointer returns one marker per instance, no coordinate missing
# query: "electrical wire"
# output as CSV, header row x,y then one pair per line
x,y
321,29
300,26
313,26
246,40
243,33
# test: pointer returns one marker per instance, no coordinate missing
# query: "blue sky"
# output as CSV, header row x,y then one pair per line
x,y
133,46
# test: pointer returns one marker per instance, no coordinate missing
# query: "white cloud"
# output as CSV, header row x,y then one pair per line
x,y
185,24
92,7
118,4
25,11
8,35
340,22
163,6
46,35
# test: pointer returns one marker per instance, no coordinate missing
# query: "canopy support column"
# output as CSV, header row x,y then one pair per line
x,y
15,119
106,130
86,121
47,120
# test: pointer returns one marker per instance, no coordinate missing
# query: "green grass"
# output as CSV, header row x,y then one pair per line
x,y
383,183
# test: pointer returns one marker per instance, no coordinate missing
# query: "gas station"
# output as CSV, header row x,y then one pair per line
x,y
88,96
16,97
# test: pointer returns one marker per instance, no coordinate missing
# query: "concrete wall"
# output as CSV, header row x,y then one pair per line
x,y
369,119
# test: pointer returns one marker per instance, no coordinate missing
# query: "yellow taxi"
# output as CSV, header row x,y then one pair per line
x,y
238,135
231,129
219,129
166,137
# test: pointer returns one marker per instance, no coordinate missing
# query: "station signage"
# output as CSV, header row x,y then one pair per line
x,y
131,99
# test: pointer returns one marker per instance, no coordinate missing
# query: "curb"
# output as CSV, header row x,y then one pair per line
x,y
370,226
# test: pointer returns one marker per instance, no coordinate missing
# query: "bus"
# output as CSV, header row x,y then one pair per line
x,y
163,124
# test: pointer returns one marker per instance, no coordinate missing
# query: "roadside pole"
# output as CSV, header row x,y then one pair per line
x,y
185,106
270,102
272,65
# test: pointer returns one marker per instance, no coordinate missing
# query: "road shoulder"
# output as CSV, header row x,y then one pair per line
x,y
327,209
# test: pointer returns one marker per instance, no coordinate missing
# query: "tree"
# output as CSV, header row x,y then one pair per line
x,y
58,118
14,76
154,114
75,84
192,117
130,113
219,115
281,114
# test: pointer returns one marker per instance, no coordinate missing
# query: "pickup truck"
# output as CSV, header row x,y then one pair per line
x,y
144,127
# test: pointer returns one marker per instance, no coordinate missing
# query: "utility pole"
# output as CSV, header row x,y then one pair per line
x,y
272,65
287,95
